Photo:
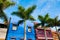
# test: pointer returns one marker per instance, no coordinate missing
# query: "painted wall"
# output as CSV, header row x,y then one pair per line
x,y
19,33
49,33
55,37
40,34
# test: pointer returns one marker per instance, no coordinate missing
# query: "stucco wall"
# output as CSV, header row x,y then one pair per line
x,y
3,33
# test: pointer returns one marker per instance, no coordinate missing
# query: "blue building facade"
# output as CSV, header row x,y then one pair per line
x,y
17,32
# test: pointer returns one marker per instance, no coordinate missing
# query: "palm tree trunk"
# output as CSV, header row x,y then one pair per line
x,y
45,33
57,32
24,29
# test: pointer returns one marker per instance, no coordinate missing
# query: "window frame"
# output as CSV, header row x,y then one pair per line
x,y
21,38
29,39
40,31
29,28
14,25
13,38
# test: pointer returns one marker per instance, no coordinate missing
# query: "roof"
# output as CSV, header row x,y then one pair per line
x,y
15,24
3,25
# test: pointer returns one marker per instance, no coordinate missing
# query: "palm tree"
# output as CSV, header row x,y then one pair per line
x,y
3,5
43,21
25,14
54,23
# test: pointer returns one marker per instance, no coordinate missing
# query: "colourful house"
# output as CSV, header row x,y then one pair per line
x,y
40,34
17,32
55,37
3,25
49,34
3,29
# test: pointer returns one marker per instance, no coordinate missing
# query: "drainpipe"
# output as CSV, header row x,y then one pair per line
x,y
8,28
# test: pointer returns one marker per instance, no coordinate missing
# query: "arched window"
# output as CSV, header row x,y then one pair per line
x,y
29,29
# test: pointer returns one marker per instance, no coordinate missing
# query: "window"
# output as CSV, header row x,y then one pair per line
x,y
59,30
41,31
14,28
29,29
29,39
21,39
13,38
49,32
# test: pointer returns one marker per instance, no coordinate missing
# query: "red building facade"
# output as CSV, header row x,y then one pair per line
x,y
40,34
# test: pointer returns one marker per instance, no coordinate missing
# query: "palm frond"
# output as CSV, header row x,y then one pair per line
x,y
49,25
56,17
7,4
3,16
20,22
15,13
54,21
32,18
30,10
24,14
40,18
3,0
19,14
46,17
50,20
36,25
1,5
21,9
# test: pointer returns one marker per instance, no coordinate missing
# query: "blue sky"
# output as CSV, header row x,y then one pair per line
x,y
43,6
